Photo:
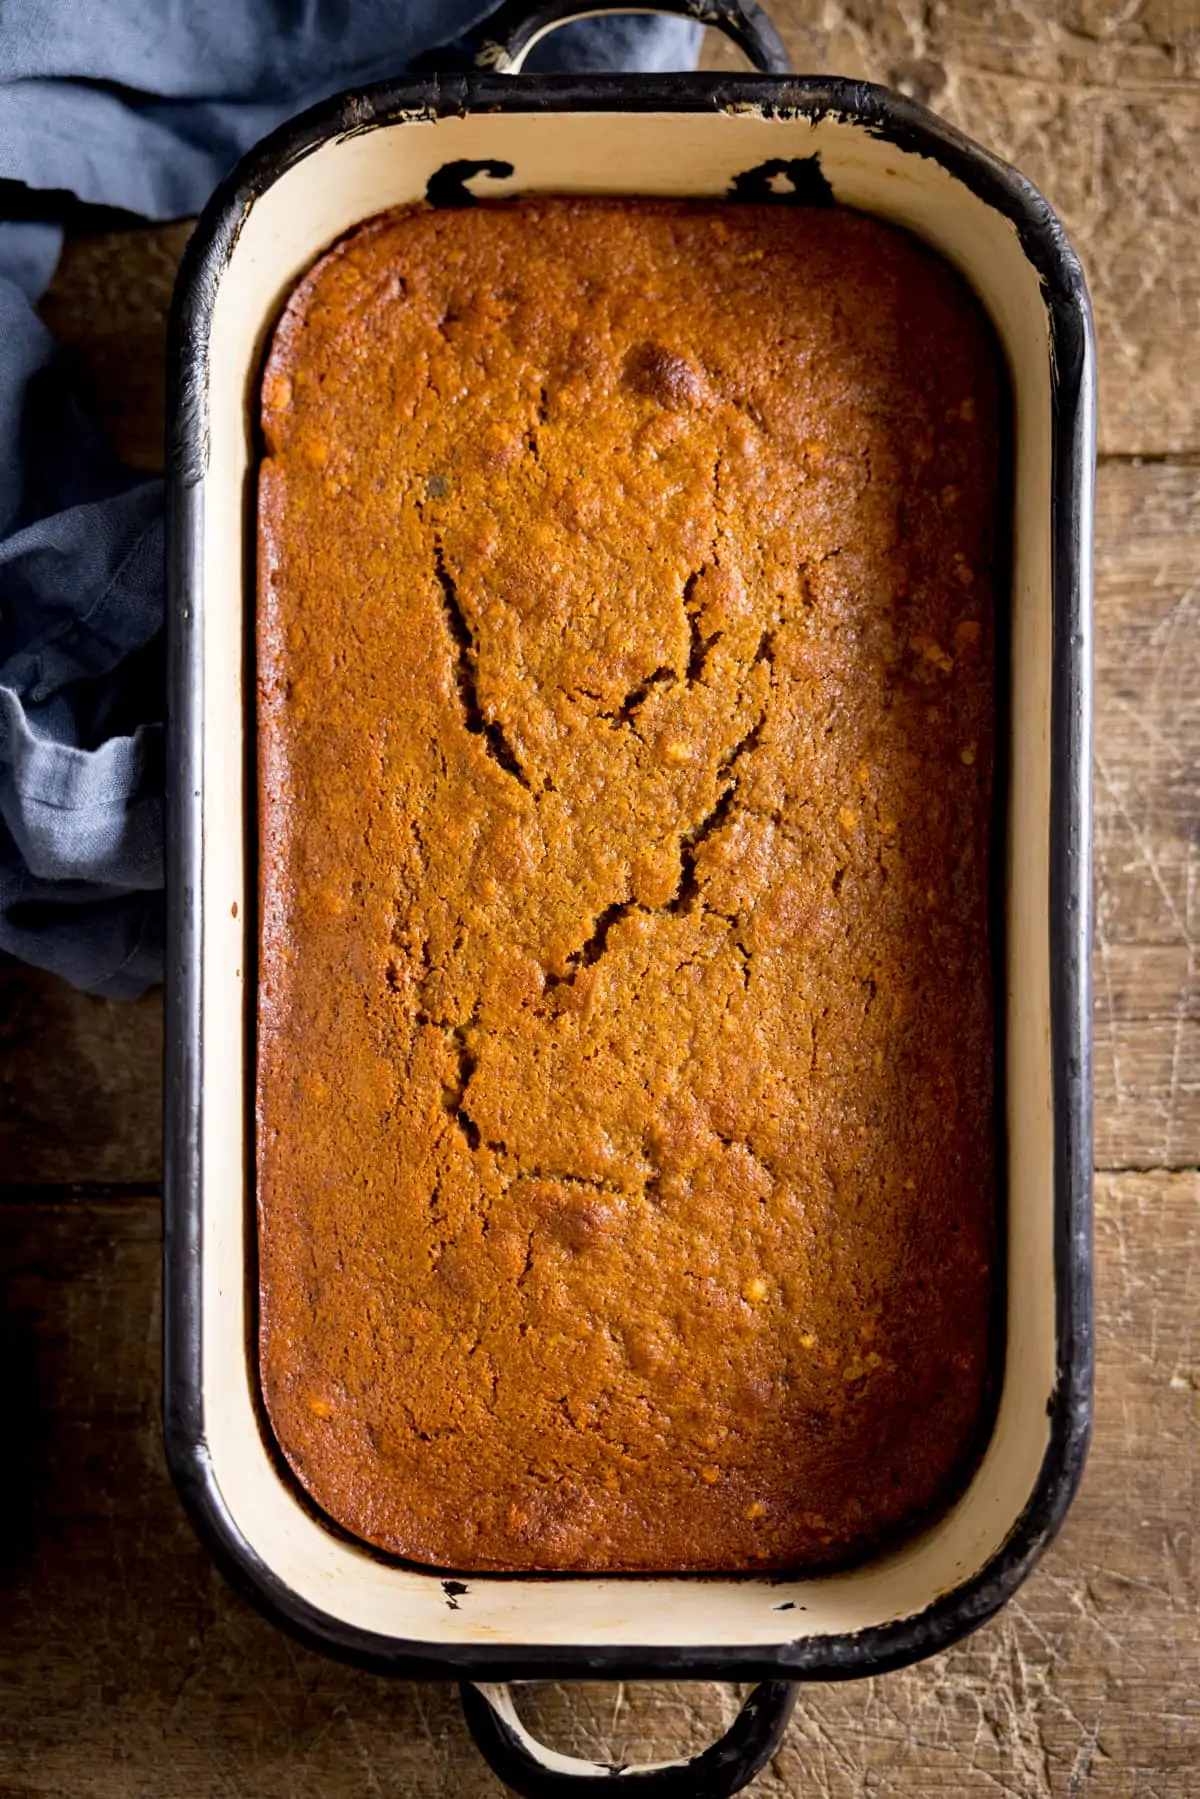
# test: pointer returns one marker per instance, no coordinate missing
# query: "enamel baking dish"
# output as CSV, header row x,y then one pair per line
x,y
443,139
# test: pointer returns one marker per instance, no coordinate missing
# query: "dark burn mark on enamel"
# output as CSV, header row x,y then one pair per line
x,y
447,186
807,183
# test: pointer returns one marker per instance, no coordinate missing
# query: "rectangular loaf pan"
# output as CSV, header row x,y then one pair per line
x,y
702,137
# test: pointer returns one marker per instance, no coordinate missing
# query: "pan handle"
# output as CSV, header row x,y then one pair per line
x,y
536,1772
517,25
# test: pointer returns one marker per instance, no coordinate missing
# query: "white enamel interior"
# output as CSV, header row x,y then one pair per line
x,y
315,201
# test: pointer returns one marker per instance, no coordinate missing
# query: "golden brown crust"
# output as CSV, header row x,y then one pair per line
x,y
625,1086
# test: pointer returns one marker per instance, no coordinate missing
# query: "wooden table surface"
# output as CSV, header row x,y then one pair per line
x,y
126,1666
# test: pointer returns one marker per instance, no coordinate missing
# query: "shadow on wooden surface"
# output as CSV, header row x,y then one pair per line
x,y
80,1083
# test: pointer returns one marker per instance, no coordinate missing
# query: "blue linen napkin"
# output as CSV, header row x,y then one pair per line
x,y
143,105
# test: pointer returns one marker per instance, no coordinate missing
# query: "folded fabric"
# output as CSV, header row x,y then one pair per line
x,y
143,105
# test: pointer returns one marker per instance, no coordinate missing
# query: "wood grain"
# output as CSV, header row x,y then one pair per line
x,y
107,306
1147,818
1094,100
127,1668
